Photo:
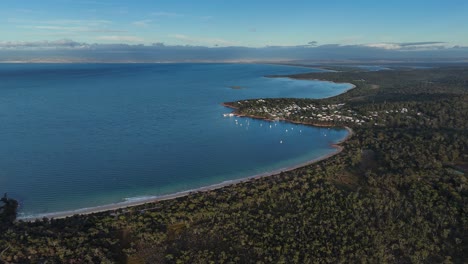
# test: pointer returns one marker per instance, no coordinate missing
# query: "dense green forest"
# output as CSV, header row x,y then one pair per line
x,y
397,193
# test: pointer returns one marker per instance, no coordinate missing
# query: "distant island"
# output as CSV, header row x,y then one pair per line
x,y
395,193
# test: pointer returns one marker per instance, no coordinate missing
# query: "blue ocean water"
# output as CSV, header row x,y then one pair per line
x,y
83,135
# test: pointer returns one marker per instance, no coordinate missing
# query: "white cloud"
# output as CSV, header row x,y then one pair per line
x,y
45,44
90,22
386,46
166,14
182,37
404,46
129,48
202,40
55,28
142,23
72,29
66,27
118,38
162,14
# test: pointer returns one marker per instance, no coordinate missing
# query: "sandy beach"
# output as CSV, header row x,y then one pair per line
x,y
151,199
139,201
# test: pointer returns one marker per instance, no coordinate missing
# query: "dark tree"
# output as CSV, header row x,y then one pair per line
x,y
8,210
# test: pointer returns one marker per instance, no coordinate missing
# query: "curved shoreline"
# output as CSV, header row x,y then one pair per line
x,y
136,201
281,119
319,80
152,199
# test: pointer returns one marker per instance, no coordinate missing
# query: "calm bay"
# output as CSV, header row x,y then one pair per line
x,y
84,135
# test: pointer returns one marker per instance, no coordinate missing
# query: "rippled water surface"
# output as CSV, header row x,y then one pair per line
x,y
83,135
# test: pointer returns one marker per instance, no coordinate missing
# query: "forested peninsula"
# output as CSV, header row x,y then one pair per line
x,y
397,193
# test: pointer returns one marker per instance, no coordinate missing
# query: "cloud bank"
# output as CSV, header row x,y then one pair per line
x,y
428,45
38,45
71,51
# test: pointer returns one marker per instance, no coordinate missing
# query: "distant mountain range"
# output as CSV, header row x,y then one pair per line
x,y
70,51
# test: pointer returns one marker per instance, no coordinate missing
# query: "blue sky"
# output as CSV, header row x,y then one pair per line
x,y
236,23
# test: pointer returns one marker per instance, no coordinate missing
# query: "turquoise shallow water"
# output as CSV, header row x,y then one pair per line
x,y
83,135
